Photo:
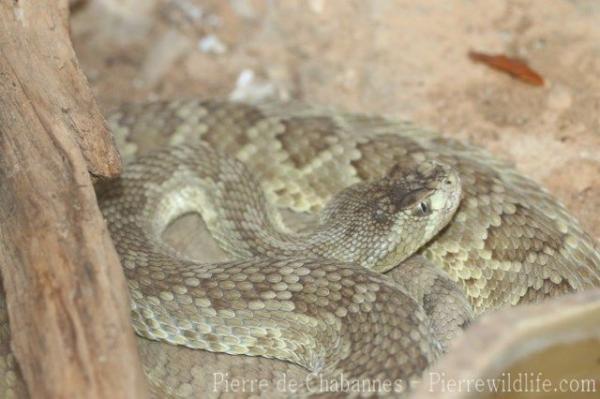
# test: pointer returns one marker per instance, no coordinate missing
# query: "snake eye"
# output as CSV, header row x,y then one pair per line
x,y
423,209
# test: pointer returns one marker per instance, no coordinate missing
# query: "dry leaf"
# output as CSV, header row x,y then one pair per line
x,y
513,66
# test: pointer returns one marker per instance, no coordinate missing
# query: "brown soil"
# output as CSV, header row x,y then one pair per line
x,y
404,58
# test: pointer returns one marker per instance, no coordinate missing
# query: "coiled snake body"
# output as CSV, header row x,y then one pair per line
x,y
383,191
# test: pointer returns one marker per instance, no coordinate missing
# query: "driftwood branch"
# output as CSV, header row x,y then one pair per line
x,y
65,290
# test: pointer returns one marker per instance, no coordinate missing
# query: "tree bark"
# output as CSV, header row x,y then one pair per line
x,y
65,291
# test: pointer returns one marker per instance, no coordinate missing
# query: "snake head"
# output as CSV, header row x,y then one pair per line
x,y
389,219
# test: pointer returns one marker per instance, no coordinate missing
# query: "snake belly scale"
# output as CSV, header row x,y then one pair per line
x,y
382,190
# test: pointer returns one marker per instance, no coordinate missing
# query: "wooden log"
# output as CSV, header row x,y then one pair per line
x,y
65,290
538,344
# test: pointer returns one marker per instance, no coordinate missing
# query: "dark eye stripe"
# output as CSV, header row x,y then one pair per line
x,y
403,200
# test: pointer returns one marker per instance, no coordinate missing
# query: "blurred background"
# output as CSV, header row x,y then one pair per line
x,y
407,59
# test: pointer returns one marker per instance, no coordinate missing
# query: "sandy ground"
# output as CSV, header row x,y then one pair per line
x,y
407,59
402,58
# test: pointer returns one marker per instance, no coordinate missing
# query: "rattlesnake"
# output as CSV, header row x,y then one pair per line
x,y
306,294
